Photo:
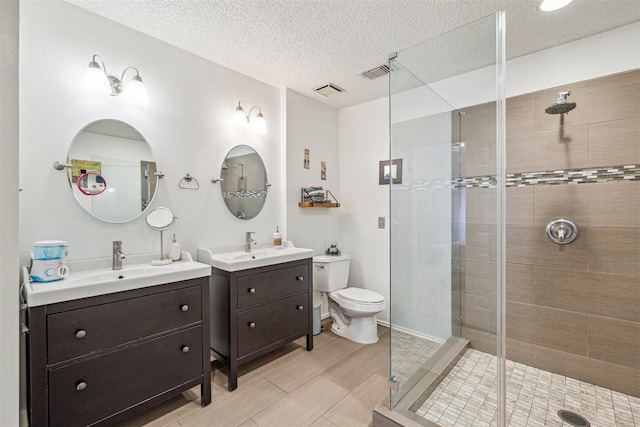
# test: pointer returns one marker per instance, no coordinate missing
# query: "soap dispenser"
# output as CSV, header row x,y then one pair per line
x,y
174,250
277,239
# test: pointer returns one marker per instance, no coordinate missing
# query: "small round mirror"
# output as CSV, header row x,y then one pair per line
x,y
91,184
244,189
113,152
161,219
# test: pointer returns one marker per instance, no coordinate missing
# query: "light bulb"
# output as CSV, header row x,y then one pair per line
x,y
239,119
259,125
136,92
95,80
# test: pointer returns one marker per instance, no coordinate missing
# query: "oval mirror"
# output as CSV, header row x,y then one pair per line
x,y
244,189
113,152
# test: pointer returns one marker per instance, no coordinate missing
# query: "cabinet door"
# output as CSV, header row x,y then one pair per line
x,y
89,391
271,323
259,288
87,330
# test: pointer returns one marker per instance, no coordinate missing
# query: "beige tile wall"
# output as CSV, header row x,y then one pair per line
x,y
572,309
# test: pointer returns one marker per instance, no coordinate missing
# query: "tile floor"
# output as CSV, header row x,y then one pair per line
x,y
338,383
467,397
409,353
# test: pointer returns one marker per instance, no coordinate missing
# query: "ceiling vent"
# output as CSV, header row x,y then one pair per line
x,y
328,89
376,72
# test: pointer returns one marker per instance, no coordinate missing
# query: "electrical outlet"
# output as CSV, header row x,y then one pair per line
x,y
380,222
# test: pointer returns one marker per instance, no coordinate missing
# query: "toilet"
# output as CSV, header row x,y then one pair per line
x,y
353,310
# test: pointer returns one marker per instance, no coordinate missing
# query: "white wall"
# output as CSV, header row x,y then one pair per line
x,y
363,142
9,331
187,124
600,55
312,125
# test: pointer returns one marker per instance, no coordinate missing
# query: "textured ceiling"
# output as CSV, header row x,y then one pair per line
x,y
303,44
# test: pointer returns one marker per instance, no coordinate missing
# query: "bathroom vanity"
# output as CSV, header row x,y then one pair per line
x,y
259,301
98,358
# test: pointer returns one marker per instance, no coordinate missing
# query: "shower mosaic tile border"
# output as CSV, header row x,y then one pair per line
x,y
525,179
557,177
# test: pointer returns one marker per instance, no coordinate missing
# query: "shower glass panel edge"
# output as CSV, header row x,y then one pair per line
x,y
430,86
501,232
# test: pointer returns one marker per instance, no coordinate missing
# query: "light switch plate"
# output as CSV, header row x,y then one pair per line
x,y
380,222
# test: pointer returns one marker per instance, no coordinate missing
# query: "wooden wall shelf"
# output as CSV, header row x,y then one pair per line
x,y
318,205
327,203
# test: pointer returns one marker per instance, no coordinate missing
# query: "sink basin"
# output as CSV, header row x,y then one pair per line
x,y
256,255
234,258
100,281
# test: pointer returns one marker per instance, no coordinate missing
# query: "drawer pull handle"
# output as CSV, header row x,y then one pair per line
x,y
252,324
184,307
251,290
185,349
81,385
81,333
300,279
300,307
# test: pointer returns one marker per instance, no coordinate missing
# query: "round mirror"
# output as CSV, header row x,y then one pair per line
x,y
245,184
160,219
113,152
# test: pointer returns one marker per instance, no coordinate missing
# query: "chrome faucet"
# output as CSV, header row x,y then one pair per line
x,y
117,255
249,241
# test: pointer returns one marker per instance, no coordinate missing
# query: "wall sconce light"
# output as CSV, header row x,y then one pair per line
x,y
99,81
258,125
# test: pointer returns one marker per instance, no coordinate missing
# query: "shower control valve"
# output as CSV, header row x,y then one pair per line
x,y
562,231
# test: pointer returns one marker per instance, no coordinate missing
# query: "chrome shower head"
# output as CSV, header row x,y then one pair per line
x,y
561,105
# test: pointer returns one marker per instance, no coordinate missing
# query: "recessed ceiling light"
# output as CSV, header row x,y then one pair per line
x,y
551,5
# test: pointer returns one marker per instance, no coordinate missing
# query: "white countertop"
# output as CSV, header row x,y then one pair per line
x,y
235,258
90,278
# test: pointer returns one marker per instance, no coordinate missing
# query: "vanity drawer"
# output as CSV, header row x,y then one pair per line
x,y
87,330
259,288
91,390
268,324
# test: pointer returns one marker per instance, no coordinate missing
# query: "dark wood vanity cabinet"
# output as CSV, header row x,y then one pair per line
x,y
257,310
99,360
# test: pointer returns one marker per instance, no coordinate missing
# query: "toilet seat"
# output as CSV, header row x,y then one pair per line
x,y
360,296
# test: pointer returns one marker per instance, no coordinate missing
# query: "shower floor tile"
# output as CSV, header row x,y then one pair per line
x,y
410,353
467,397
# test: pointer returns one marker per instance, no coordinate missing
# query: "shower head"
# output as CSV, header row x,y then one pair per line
x,y
561,105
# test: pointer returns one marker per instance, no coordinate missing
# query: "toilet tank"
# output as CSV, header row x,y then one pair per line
x,y
330,273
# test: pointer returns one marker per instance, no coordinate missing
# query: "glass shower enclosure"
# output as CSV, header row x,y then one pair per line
x,y
497,317
449,179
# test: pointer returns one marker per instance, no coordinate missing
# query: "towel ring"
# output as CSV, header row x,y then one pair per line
x,y
187,178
